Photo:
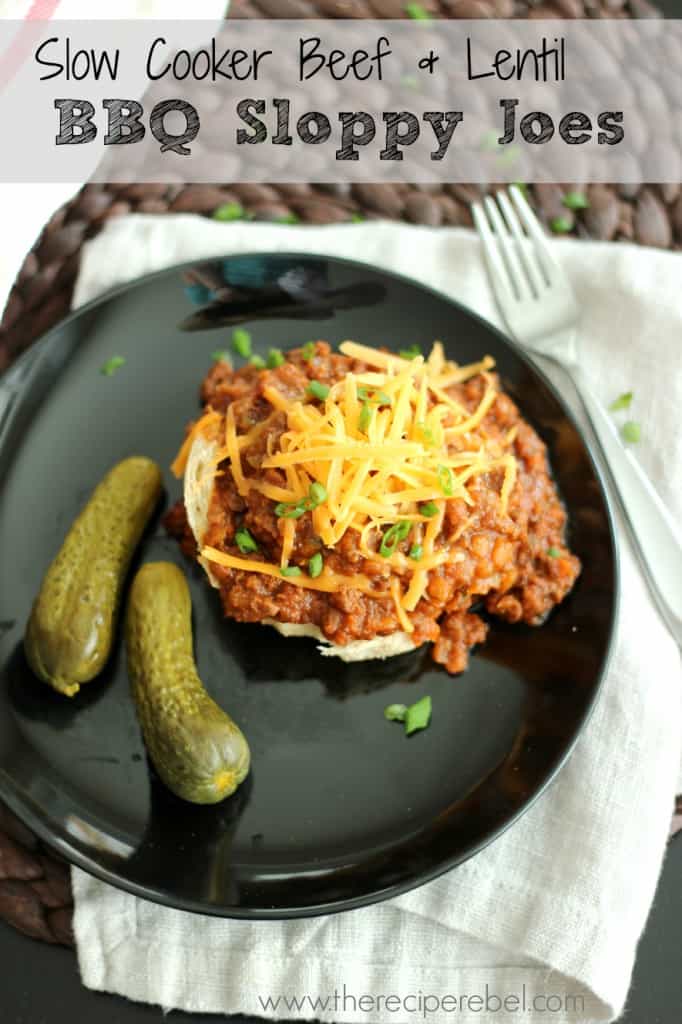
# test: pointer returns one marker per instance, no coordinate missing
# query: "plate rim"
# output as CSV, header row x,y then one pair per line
x,y
21,804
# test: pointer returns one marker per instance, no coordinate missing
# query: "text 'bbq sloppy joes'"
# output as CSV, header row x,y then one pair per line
x,y
369,500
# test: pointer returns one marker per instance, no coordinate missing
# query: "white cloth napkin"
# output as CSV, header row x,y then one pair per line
x,y
554,907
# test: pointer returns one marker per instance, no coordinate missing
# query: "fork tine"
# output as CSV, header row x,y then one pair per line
x,y
519,283
547,261
537,282
496,267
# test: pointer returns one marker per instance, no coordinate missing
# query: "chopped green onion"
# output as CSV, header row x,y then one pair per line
x,y
560,225
290,509
112,365
576,201
257,361
275,358
365,417
416,552
410,353
632,432
245,541
229,211
241,342
622,402
375,397
291,570
287,218
317,493
221,355
553,552
393,536
356,217
418,716
318,390
308,351
446,481
429,509
315,565
417,12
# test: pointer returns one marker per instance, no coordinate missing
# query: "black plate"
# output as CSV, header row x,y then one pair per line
x,y
341,809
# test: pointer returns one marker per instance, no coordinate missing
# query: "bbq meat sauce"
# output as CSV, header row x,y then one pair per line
x,y
514,564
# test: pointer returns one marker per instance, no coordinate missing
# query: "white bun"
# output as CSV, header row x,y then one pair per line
x,y
197,494
357,650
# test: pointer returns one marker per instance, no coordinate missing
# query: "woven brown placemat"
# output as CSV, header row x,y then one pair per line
x,y
35,894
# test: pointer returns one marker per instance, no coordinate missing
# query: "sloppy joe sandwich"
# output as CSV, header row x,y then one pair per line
x,y
373,501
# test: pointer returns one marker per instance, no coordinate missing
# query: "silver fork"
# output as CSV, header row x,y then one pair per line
x,y
540,310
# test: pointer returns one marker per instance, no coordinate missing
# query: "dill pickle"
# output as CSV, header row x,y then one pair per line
x,y
69,634
200,754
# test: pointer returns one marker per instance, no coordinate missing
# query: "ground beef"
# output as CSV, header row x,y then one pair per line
x,y
515,564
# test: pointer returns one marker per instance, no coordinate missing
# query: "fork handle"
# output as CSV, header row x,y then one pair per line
x,y
654,534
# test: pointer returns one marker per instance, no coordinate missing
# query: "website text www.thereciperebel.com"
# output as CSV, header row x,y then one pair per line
x,y
422,1004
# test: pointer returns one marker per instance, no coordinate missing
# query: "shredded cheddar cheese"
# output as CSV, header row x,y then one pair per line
x,y
387,445
202,428
397,596
329,581
276,398
289,536
233,451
